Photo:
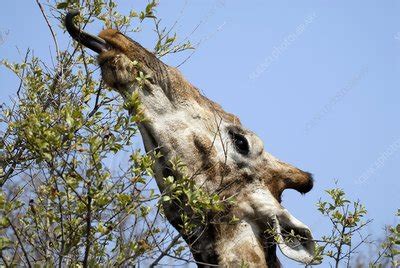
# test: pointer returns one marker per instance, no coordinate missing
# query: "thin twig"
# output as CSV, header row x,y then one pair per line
x,y
4,260
23,72
88,228
20,242
165,252
50,28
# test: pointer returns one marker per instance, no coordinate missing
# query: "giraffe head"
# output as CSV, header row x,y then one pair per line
x,y
221,155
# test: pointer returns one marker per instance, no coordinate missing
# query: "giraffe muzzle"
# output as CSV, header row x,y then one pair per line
x,y
301,181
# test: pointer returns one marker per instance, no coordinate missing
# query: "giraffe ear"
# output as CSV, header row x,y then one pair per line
x,y
295,239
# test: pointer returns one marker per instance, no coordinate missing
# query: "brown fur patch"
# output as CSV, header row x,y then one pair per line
x,y
248,251
206,153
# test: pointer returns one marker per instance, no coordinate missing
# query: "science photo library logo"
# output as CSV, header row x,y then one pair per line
x,y
3,35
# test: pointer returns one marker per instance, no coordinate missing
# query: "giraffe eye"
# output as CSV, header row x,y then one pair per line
x,y
240,142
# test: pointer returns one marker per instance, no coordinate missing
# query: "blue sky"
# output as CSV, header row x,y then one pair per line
x,y
316,81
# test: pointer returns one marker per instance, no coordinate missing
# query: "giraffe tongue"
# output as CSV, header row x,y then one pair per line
x,y
295,239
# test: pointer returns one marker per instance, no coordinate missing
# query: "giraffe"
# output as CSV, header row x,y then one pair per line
x,y
224,156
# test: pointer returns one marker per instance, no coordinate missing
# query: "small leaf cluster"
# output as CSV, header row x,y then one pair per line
x,y
107,12
389,253
194,202
347,219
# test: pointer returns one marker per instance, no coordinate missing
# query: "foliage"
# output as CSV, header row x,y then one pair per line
x,y
389,253
347,220
190,198
63,200
348,233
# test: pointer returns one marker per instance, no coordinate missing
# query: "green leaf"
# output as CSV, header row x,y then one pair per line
x,y
4,243
166,198
62,5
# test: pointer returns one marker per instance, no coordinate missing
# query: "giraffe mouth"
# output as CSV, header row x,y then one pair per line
x,y
294,238
281,228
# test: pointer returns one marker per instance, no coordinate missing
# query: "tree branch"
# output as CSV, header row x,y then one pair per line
x,y
20,242
165,252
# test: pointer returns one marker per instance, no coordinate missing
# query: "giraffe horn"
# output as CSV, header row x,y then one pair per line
x,y
93,42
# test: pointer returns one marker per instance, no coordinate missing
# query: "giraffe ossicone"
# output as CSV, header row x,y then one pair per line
x,y
221,155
